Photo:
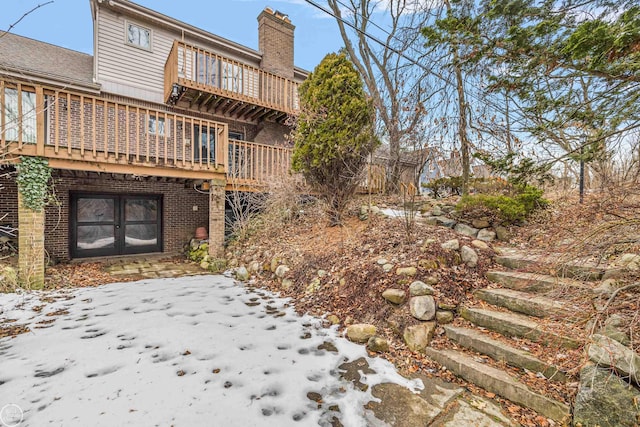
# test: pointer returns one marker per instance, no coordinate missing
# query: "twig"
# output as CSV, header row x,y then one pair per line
x,y
24,16
609,301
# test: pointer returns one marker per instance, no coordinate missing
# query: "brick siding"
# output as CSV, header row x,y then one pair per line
x,y
275,41
178,223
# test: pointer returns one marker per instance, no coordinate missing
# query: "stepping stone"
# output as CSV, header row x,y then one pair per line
x,y
516,325
533,282
517,261
126,272
498,382
502,352
522,302
550,264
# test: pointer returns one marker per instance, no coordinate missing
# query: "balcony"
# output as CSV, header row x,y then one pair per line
x,y
203,80
88,133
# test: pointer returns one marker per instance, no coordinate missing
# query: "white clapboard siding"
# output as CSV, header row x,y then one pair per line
x,y
126,69
138,73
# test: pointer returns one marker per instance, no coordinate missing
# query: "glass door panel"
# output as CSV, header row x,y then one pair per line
x,y
94,225
103,225
142,225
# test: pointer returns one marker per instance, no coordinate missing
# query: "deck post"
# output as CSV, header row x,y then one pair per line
x,y
216,217
31,244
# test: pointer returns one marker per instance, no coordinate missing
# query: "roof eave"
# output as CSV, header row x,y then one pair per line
x,y
50,79
162,19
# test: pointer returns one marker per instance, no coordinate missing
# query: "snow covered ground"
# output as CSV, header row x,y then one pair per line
x,y
191,351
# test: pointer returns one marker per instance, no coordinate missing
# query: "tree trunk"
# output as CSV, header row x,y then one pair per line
x,y
462,114
393,165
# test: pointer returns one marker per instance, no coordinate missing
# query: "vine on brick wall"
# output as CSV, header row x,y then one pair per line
x,y
33,178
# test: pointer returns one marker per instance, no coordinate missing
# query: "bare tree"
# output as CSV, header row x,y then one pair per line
x,y
393,72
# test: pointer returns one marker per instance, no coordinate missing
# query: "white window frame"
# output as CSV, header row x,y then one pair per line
x,y
129,24
12,119
152,125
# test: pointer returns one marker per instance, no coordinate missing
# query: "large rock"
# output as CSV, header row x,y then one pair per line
x,y
395,296
423,307
406,271
481,223
436,210
614,328
465,229
444,221
469,256
360,332
377,344
286,284
313,286
242,273
502,233
282,271
255,267
451,245
364,213
418,337
443,317
428,264
486,235
397,406
479,244
610,353
605,400
419,288
629,261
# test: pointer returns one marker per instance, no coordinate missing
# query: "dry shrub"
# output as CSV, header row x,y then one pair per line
x,y
8,279
286,198
598,231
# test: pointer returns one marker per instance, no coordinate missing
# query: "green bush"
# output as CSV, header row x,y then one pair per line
x,y
531,198
512,208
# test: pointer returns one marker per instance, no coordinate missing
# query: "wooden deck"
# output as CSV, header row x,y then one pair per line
x,y
76,131
200,79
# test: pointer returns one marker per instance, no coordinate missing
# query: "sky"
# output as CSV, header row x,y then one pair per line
x,y
67,23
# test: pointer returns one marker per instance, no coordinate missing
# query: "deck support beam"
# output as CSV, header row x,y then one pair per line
x,y
216,217
31,244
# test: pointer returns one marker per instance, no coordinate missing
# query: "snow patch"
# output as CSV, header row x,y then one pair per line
x,y
188,351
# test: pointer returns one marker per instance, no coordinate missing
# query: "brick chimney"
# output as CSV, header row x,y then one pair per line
x,y
275,42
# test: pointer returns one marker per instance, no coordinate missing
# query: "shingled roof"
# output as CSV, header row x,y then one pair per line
x,y
37,59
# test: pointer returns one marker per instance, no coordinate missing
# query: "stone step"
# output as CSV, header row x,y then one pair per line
x,y
498,382
522,302
533,282
550,264
516,325
502,352
516,261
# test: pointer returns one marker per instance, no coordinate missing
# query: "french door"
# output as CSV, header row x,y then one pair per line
x,y
113,224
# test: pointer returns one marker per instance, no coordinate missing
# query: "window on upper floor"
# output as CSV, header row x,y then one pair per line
x,y
236,135
138,36
205,146
157,125
19,112
232,77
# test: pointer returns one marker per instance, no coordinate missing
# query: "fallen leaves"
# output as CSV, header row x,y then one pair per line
x,y
13,331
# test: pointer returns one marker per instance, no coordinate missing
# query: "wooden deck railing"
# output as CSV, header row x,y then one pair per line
x,y
253,164
84,132
75,127
189,66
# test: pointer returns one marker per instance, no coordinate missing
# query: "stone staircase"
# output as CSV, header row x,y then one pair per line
x,y
519,308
